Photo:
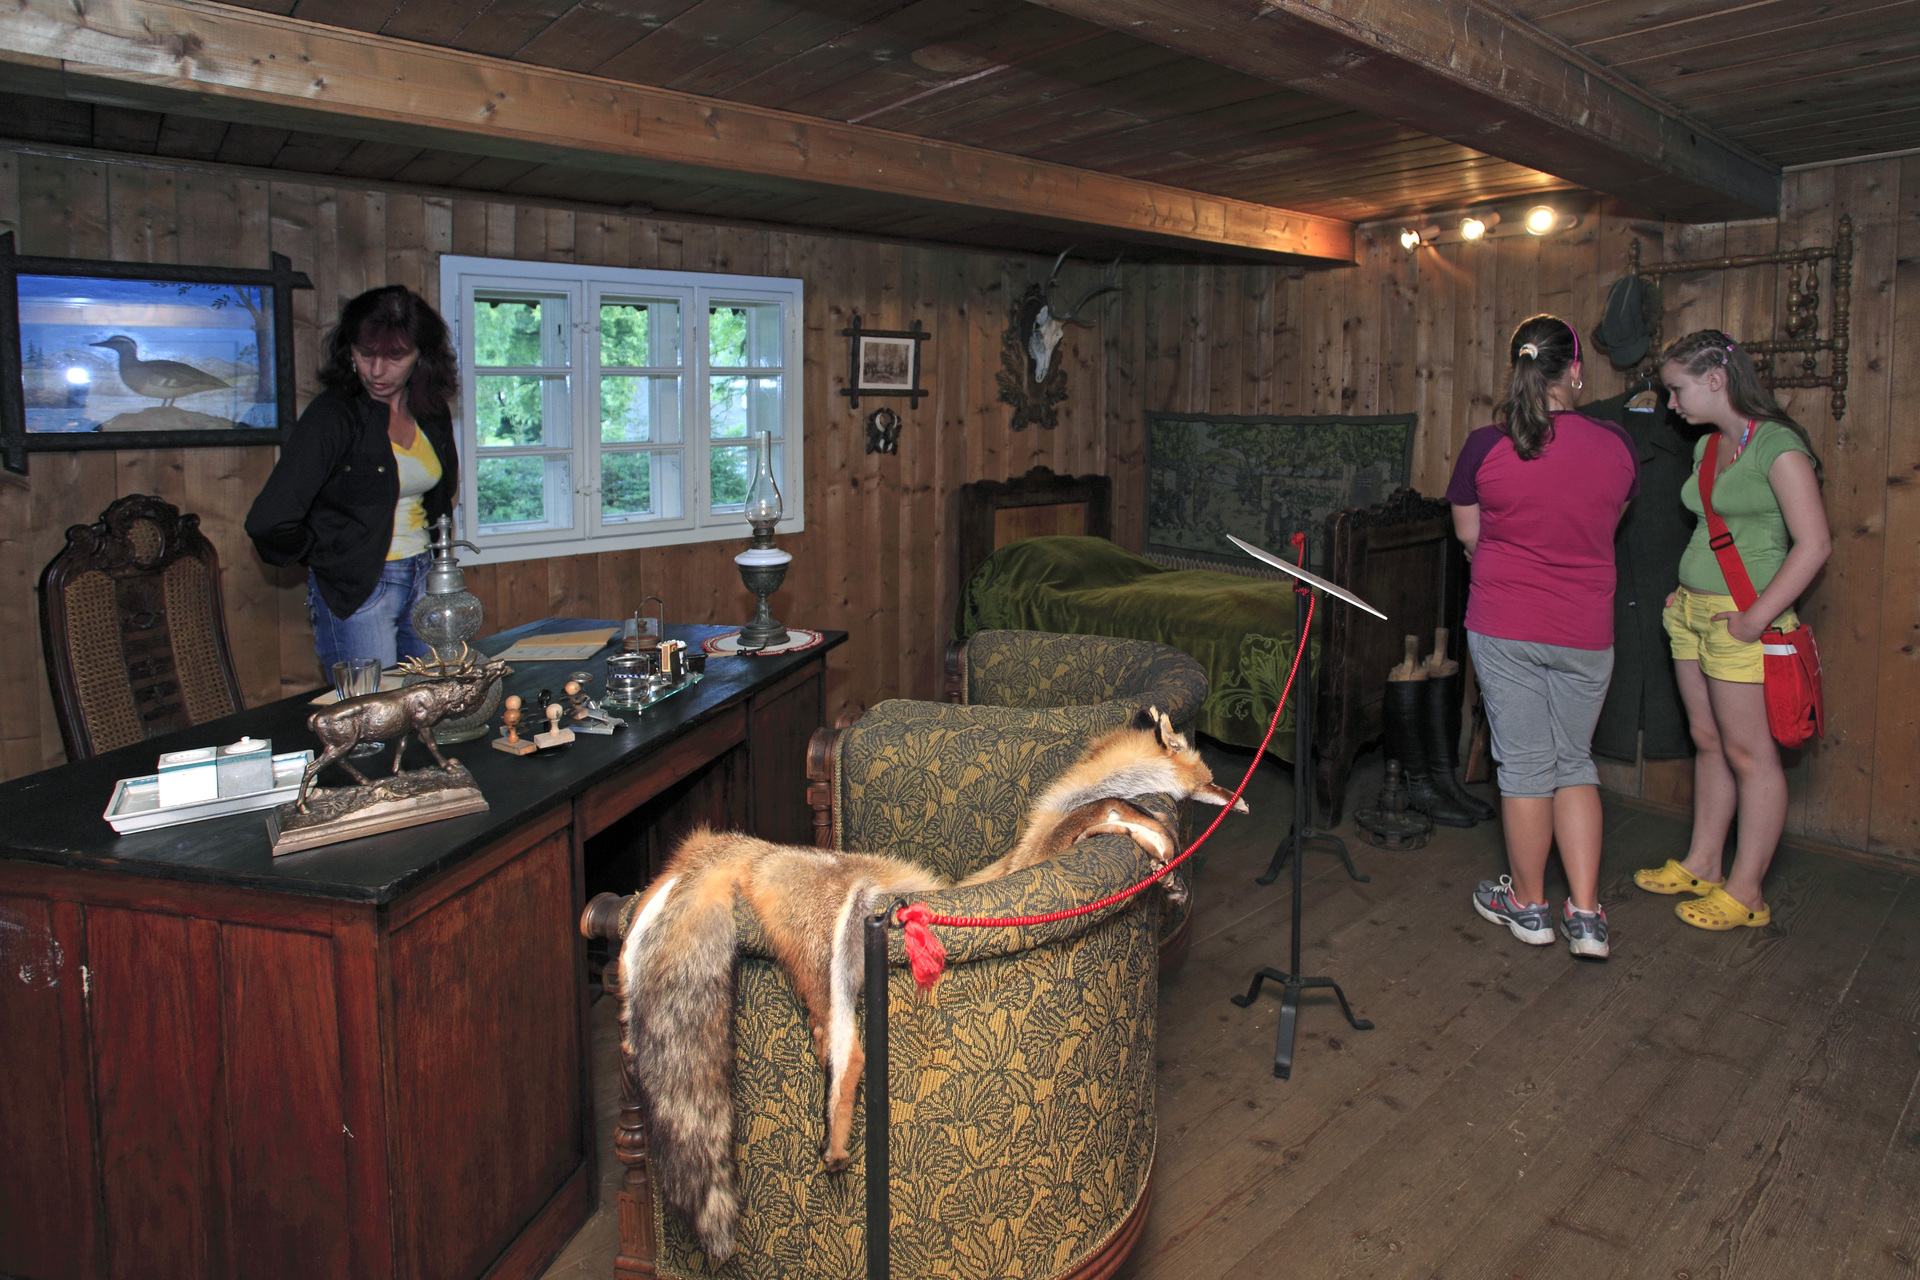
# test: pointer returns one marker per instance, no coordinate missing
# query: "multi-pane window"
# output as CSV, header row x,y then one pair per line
x,y
604,408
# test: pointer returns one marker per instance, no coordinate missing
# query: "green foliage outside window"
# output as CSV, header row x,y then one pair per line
x,y
506,333
509,409
511,490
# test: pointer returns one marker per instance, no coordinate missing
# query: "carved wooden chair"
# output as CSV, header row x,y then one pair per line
x,y
131,624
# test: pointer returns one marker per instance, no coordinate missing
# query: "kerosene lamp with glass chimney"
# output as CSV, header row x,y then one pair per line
x,y
763,566
448,617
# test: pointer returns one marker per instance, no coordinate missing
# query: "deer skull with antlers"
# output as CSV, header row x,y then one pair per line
x,y
1049,325
1030,377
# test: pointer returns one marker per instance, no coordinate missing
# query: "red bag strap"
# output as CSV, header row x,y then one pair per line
x,y
1732,568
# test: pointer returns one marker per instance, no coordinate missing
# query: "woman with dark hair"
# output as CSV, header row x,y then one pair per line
x,y
1536,497
368,468
1766,486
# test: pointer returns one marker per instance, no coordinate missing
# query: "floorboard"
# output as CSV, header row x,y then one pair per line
x,y
1702,1105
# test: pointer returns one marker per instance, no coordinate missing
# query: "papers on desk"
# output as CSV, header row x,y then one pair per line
x,y
561,646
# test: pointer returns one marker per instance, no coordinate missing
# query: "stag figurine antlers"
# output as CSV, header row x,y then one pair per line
x,y
450,689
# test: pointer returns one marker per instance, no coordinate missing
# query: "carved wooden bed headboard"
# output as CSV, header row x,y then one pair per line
x,y
1041,502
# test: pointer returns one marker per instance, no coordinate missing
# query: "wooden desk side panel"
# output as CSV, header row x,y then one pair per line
x,y
784,719
47,1174
485,1023
209,1059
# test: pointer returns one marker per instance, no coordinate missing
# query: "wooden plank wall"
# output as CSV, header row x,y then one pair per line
x,y
1426,332
874,558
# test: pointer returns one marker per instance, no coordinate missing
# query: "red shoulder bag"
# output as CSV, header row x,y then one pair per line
x,y
1794,713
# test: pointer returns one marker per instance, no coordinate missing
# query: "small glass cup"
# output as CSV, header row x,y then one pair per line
x,y
352,679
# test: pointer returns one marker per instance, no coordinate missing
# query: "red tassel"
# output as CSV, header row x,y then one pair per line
x,y
924,952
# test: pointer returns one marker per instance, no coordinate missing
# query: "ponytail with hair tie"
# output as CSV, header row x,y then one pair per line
x,y
1543,347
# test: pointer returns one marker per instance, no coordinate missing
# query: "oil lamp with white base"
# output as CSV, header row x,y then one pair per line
x,y
763,566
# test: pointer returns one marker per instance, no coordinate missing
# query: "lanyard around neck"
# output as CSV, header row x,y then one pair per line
x,y
1745,436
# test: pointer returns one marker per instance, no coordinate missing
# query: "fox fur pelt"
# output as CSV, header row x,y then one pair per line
x,y
677,962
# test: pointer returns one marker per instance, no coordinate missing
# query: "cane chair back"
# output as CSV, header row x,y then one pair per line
x,y
131,625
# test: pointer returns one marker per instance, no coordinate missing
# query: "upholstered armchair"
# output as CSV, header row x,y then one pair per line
x,y
1022,1085
1043,669
1072,672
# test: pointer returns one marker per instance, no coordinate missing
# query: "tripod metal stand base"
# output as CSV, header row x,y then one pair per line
x,y
1312,837
1290,1011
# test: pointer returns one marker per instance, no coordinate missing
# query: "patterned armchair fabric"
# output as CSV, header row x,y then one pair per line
x,y
1042,669
1023,1106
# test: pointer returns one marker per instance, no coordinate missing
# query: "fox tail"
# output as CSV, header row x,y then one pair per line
x,y
677,964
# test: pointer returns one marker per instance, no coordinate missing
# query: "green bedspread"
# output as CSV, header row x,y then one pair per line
x,y
1240,629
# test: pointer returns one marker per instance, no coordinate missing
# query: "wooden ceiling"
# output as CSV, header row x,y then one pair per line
x,y
1102,87
1795,81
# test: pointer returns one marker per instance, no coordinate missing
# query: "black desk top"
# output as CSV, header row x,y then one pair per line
x,y
54,816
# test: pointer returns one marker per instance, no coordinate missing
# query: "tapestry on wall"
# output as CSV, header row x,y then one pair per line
x,y
1264,479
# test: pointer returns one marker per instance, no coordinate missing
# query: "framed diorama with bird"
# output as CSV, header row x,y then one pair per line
x,y
141,355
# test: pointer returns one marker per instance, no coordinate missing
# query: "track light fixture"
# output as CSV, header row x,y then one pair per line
x,y
1541,219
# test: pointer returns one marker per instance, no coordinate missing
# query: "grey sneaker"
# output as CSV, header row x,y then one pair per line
x,y
1531,923
1585,932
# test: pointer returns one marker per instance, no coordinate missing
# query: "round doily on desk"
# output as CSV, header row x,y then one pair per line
x,y
728,645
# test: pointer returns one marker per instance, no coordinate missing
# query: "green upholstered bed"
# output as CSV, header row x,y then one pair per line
x,y
1400,555
1239,629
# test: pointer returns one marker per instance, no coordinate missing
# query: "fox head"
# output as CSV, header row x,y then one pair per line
x,y
1196,778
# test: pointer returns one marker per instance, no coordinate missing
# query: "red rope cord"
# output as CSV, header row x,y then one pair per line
x,y
928,957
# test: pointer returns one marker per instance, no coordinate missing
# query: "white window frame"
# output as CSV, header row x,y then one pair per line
x,y
583,287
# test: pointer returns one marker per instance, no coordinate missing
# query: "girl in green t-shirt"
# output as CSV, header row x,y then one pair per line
x,y
1767,489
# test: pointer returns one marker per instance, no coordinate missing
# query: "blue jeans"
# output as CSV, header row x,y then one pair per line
x,y
382,627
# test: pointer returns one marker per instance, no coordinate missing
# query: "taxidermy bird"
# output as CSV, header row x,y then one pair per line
x,y
162,380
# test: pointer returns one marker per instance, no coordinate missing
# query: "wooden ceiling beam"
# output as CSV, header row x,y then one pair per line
x,y
241,64
1470,72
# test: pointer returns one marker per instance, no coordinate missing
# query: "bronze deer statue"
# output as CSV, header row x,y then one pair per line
x,y
391,715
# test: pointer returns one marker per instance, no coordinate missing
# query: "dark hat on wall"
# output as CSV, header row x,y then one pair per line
x,y
1623,329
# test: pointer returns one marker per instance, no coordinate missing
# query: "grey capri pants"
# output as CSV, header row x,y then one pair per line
x,y
1542,702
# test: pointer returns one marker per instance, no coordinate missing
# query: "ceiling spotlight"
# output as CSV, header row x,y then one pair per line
x,y
1472,228
1409,239
1541,219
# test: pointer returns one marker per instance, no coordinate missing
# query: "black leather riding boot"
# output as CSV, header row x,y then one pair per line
x,y
1402,715
1442,726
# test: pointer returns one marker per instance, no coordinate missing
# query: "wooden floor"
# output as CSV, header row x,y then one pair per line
x,y
1729,1106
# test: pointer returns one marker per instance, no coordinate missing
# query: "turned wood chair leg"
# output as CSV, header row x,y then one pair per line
x,y
605,917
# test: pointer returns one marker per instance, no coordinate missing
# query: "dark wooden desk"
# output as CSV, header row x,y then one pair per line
x,y
365,1060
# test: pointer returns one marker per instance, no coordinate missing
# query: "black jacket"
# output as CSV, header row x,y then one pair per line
x,y
1643,714
329,503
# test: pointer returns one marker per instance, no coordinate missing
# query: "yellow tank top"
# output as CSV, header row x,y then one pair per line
x,y
418,467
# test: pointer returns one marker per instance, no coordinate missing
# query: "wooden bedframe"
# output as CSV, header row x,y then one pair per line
x,y
1400,555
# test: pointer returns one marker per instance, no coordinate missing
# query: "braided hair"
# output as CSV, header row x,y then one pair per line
x,y
1705,350
1541,350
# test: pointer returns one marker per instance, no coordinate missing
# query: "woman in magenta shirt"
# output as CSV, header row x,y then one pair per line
x,y
1535,500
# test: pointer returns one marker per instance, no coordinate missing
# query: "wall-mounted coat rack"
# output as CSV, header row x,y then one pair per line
x,y
1803,311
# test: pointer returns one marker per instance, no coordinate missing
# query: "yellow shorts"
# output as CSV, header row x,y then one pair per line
x,y
1697,638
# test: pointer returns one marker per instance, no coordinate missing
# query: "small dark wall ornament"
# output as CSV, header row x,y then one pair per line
x,y
883,431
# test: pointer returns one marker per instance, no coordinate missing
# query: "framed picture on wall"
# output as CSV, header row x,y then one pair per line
x,y
883,362
139,355
886,364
